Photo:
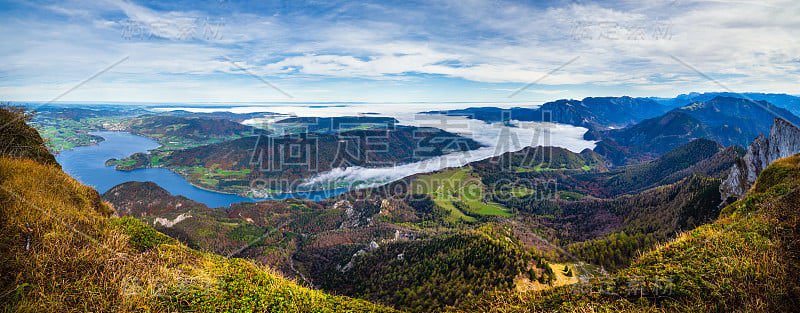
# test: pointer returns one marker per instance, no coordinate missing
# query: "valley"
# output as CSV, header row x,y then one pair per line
x,y
540,220
481,156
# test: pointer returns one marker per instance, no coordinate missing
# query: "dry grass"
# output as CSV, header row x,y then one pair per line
x,y
81,260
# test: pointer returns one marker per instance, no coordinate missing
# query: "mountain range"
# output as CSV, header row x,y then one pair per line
x,y
632,225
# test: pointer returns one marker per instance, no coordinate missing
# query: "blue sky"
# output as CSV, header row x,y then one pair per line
x,y
393,51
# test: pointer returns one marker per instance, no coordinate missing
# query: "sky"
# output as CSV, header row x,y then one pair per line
x,y
487,51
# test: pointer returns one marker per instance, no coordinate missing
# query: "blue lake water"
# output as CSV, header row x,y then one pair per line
x,y
86,164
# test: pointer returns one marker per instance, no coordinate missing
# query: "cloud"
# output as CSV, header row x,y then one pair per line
x,y
497,139
373,51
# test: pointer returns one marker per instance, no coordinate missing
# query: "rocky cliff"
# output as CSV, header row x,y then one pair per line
x,y
783,141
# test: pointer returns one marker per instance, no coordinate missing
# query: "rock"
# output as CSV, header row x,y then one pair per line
x,y
783,141
373,246
170,223
351,217
400,257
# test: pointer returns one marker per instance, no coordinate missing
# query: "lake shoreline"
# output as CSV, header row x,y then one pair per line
x,y
87,165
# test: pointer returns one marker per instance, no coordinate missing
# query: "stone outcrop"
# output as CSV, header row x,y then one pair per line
x,y
351,216
169,223
372,246
783,141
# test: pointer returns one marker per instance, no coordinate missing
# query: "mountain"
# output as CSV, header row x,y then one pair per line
x,y
282,163
752,245
176,132
534,230
234,117
592,113
649,138
783,141
701,156
729,121
62,251
610,232
789,102
233,230
144,199
683,160
736,120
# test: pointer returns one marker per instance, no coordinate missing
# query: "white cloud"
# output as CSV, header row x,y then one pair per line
x,y
624,46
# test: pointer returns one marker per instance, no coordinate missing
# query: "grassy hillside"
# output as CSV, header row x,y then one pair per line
x,y
746,261
80,259
17,139
61,251
268,232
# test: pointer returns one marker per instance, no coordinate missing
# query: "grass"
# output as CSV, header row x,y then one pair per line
x,y
66,134
457,185
570,196
82,260
524,284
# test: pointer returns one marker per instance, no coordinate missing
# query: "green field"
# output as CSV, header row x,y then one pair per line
x,y
456,188
66,134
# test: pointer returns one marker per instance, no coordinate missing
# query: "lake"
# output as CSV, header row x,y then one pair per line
x,y
86,164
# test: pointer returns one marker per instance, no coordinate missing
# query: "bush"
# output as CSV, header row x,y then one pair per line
x,y
142,236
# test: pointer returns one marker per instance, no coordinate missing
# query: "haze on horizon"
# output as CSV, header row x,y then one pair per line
x,y
393,51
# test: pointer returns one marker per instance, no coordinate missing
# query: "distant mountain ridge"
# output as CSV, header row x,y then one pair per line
x,y
191,128
729,121
789,102
591,112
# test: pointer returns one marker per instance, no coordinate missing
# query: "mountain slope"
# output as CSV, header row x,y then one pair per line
x,y
426,275
282,163
736,120
268,231
17,139
729,121
649,138
62,252
177,132
746,261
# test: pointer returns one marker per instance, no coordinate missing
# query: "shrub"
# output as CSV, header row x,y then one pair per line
x,y
142,236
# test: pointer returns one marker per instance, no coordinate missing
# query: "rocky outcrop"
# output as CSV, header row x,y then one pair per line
x,y
372,246
169,223
783,141
351,216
